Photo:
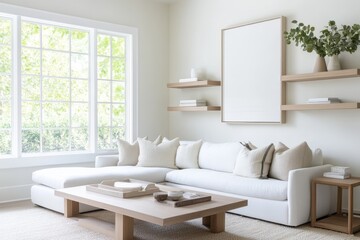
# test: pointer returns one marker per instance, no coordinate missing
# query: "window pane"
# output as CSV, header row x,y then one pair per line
x,y
5,59
79,139
55,64
79,41
5,87
5,114
118,93
104,91
55,38
79,66
5,142
79,114
30,113
56,140
55,115
118,115
103,45
103,115
117,133
30,61
103,67
56,89
104,141
30,34
118,69
79,90
5,31
30,88
118,46
30,141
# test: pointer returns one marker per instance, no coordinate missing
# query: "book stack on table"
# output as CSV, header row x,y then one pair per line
x,y
323,100
192,103
338,172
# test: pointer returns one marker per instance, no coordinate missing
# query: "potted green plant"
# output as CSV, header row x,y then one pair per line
x,y
335,40
304,36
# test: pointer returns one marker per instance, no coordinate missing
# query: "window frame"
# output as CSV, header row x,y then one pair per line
x,y
131,58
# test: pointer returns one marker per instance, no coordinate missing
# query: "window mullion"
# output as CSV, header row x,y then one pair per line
x,y
16,87
93,116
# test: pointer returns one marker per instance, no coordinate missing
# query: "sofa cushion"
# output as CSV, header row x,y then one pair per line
x,y
219,156
74,176
128,153
187,155
162,155
254,162
286,159
229,183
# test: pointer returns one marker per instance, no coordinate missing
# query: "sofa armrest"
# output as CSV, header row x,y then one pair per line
x,y
299,194
106,160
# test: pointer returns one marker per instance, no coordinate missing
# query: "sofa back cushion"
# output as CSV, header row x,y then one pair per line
x,y
219,156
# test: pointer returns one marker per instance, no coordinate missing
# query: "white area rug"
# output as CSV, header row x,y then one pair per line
x,y
23,221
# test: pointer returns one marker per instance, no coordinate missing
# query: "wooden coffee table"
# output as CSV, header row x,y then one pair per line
x,y
146,208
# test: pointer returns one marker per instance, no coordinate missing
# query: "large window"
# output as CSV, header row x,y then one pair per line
x,y
5,85
70,91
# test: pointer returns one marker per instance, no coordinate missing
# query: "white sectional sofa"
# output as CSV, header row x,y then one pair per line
x,y
281,201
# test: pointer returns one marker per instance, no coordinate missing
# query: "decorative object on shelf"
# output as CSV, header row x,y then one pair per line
x,y
192,103
331,42
337,40
304,35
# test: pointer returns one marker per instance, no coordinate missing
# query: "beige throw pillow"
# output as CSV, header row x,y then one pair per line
x,y
286,159
161,155
254,163
187,155
128,153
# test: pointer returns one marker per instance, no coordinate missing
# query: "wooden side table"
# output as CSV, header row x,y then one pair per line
x,y
339,221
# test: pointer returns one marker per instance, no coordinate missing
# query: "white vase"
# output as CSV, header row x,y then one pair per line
x,y
334,63
320,64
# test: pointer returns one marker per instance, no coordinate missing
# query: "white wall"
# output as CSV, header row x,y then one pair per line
x,y
195,41
151,20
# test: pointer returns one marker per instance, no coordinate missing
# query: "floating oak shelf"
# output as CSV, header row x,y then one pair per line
x,y
346,73
202,83
195,109
329,106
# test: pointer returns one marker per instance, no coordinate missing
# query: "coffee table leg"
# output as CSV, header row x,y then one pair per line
x,y
124,227
216,222
71,208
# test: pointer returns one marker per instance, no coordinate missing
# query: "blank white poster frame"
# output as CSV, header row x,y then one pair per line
x,y
253,61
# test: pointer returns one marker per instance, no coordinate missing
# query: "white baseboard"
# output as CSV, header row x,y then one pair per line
x,y
15,193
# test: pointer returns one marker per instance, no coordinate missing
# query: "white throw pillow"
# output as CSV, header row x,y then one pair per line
x,y
128,153
162,155
254,163
187,155
286,159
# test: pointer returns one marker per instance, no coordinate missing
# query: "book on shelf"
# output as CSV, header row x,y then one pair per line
x,y
188,80
336,175
192,104
323,100
193,101
340,169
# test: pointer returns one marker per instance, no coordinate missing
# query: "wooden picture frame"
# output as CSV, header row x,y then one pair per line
x,y
253,61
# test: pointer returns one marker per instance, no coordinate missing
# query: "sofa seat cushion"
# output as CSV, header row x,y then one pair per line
x,y
227,182
75,176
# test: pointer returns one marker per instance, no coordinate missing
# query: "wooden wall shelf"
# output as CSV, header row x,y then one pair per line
x,y
202,83
346,73
340,74
195,109
329,106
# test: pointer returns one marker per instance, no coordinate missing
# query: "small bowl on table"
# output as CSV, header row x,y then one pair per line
x,y
174,195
